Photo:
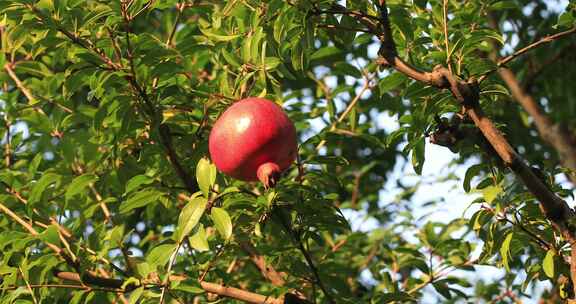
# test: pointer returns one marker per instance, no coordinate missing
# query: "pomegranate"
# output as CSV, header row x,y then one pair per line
x,y
253,140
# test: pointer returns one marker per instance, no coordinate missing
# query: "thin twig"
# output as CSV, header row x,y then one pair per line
x,y
259,261
180,9
166,282
27,226
19,84
544,40
344,28
107,215
296,238
445,25
66,286
351,105
28,286
31,99
7,145
547,39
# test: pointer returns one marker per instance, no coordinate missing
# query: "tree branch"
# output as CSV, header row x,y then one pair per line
x,y
19,84
28,227
295,235
547,39
221,290
544,40
267,271
557,135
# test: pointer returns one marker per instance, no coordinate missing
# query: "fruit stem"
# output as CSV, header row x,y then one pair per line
x,y
268,174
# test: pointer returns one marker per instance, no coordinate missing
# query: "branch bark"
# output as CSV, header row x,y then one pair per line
x,y
221,290
267,271
557,135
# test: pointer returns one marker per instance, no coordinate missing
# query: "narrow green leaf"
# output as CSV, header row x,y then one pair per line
x,y
231,58
43,183
50,235
218,37
391,82
347,69
160,254
325,52
329,160
137,181
205,175
78,185
490,193
505,250
548,263
418,156
199,240
189,286
140,199
222,222
135,295
470,173
189,217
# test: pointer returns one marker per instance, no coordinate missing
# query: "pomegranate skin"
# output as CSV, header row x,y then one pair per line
x,y
253,140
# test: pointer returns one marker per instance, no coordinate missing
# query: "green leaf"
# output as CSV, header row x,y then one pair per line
x,y
505,250
325,52
347,69
391,82
135,295
218,37
502,5
43,183
189,286
329,160
271,63
548,263
395,297
78,185
137,181
189,217
50,235
140,199
443,289
490,193
231,58
160,254
222,222
566,19
205,175
470,173
199,240
418,156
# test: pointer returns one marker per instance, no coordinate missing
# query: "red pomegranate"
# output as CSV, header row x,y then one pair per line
x,y
253,140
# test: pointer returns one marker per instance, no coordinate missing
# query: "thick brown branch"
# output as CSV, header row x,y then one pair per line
x,y
221,290
558,136
239,294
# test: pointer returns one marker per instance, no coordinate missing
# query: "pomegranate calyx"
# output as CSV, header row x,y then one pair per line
x,y
268,174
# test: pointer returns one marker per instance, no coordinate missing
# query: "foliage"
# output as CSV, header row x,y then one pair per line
x,y
107,107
